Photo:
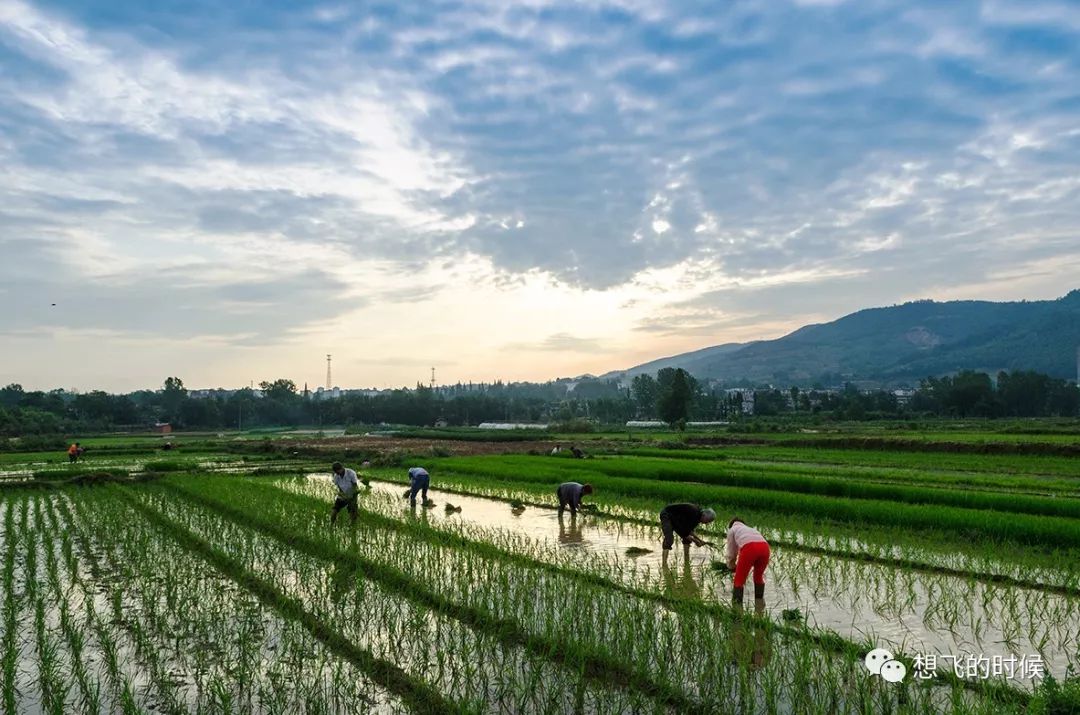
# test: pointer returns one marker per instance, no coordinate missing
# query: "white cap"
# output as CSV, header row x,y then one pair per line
x,y
708,516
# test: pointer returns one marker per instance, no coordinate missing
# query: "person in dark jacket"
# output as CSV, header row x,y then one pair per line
x,y
682,519
570,494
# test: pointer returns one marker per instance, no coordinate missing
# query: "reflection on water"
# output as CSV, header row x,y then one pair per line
x,y
679,581
570,534
751,642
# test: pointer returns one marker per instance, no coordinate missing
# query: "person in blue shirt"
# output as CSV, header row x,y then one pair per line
x,y
419,480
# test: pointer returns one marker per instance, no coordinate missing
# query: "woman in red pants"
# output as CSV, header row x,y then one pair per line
x,y
746,549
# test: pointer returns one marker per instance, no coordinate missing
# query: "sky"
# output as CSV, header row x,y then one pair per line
x,y
227,192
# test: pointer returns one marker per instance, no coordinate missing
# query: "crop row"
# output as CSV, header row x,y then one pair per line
x,y
758,478
407,568
479,648
928,550
918,476
879,595
1031,530
237,647
1010,472
537,590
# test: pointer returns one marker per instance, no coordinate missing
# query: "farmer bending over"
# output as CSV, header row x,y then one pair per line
x,y
73,452
348,487
682,519
746,549
570,494
419,480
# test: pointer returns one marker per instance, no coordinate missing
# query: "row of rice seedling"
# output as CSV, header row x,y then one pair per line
x,y
613,620
842,591
172,665
928,549
88,691
1037,531
109,650
9,650
921,476
726,475
887,475
479,660
1035,466
208,644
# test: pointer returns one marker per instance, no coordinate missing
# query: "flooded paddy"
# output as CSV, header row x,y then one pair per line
x,y
915,612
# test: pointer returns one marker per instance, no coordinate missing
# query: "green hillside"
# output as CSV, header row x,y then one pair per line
x,y
903,343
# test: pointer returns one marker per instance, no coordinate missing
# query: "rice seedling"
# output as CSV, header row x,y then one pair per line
x,y
198,592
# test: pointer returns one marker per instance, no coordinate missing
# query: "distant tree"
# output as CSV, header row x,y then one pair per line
x,y
1063,399
769,402
173,395
972,394
279,389
645,391
676,395
11,395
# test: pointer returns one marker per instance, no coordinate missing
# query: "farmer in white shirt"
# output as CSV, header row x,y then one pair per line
x,y
746,549
419,480
348,487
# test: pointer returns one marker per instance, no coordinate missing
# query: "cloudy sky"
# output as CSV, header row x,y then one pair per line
x,y
518,190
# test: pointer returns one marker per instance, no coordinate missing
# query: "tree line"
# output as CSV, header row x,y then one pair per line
x,y
672,396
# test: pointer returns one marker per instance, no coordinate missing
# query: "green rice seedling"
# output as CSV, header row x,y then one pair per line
x,y
238,633
461,573
719,566
637,551
792,615
960,516
12,537
451,509
467,576
165,466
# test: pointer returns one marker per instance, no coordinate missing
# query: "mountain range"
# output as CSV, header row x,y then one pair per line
x,y
899,345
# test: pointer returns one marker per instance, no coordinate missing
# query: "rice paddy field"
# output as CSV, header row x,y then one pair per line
x,y
209,579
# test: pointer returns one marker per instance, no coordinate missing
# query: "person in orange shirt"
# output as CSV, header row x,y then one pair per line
x,y
73,452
